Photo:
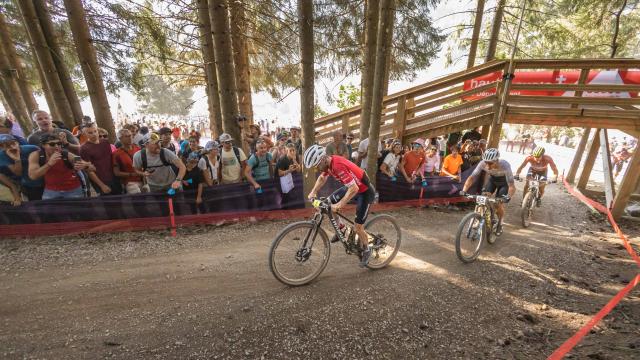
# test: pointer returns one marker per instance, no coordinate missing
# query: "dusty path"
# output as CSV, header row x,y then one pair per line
x,y
209,294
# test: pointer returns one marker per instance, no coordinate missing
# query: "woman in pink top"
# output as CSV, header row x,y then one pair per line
x,y
431,164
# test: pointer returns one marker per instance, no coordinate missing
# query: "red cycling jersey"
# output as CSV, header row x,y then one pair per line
x,y
346,172
539,166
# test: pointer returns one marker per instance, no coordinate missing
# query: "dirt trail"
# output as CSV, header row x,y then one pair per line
x,y
208,294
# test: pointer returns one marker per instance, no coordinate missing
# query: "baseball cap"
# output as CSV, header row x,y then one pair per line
x,y
225,137
211,144
7,138
193,156
153,138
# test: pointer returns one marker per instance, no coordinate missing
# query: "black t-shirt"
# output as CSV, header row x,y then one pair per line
x,y
471,135
195,175
283,164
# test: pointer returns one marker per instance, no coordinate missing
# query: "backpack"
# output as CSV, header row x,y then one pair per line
x,y
42,159
145,164
269,159
381,158
236,152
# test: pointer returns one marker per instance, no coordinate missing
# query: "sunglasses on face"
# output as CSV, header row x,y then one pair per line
x,y
54,143
349,138
103,136
228,142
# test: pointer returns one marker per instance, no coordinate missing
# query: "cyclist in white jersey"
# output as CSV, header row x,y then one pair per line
x,y
500,180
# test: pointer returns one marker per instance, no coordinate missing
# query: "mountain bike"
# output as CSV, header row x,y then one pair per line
x,y
531,199
300,252
476,227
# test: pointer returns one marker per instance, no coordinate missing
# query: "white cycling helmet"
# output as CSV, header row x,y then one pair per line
x,y
313,155
491,154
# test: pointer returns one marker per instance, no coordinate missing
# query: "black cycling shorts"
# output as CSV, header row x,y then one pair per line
x,y
497,185
363,199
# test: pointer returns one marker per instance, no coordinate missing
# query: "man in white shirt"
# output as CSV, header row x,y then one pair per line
x,y
363,150
233,160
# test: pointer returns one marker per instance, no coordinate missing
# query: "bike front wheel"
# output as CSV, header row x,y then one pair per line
x,y
526,209
385,238
469,238
299,253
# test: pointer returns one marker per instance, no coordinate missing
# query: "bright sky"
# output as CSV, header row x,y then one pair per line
x,y
287,112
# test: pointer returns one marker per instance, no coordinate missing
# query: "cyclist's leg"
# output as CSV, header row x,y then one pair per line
x,y
337,195
542,185
365,200
501,190
526,183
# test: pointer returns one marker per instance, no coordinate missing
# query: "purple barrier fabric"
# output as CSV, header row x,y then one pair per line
x,y
216,199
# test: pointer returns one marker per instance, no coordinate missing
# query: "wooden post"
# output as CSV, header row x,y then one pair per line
x,y
589,161
496,127
484,134
400,119
609,189
345,123
627,186
577,158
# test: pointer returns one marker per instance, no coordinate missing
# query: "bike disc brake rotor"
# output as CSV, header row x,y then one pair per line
x,y
303,254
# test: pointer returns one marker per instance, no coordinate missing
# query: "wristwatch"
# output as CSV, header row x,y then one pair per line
x,y
178,179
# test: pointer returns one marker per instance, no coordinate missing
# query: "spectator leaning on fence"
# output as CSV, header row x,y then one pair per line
x,y
363,151
10,170
288,165
61,169
193,179
14,163
452,164
233,160
97,151
259,166
122,160
45,127
412,161
431,162
210,163
156,165
392,160
296,140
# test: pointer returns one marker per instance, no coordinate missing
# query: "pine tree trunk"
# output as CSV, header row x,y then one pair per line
x,y
389,44
11,91
305,25
495,31
378,85
371,33
208,56
241,58
90,67
219,15
10,51
65,78
616,29
477,26
53,110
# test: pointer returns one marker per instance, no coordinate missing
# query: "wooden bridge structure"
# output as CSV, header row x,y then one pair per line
x,y
445,105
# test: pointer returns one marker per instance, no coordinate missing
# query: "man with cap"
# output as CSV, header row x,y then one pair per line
x,y
45,127
166,142
232,161
61,170
193,177
14,165
156,165
412,161
338,146
210,163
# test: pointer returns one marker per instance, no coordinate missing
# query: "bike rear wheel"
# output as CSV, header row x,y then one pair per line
x,y
471,233
385,239
526,209
298,256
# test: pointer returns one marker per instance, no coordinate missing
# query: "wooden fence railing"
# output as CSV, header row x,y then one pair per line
x,y
442,106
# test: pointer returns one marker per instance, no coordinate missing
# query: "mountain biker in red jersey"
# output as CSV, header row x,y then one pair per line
x,y
356,186
539,166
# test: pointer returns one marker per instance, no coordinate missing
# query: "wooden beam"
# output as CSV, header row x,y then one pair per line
x,y
609,189
448,128
574,121
345,123
577,87
485,131
512,99
442,122
594,145
577,158
450,111
584,75
451,98
627,186
400,119
496,125
577,63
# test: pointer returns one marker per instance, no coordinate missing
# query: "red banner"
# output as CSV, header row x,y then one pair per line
x,y
617,77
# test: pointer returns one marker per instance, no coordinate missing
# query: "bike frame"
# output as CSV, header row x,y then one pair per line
x,y
318,217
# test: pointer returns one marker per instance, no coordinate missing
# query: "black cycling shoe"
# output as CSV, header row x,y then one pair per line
x,y
364,259
499,229
538,202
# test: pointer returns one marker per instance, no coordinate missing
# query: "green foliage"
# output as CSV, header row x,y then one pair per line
x,y
318,112
560,29
160,98
348,96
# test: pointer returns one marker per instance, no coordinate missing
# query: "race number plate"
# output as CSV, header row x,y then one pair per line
x,y
481,200
535,183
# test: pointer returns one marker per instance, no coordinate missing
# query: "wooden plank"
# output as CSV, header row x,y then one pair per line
x,y
577,158
439,94
577,87
577,63
400,119
448,128
609,189
451,98
345,123
529,110
573,121
631,114
430,125
496,124
627,186
584,75
572,100
451,110
594,145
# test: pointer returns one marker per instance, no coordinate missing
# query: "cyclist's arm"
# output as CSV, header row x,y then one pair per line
x,y
553,166
524,163
510,180
322,179
467,184
352,190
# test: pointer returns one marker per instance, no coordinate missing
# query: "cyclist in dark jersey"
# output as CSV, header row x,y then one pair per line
x,y
356,186
500,180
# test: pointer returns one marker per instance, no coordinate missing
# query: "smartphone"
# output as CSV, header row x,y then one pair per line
x,y
77,159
